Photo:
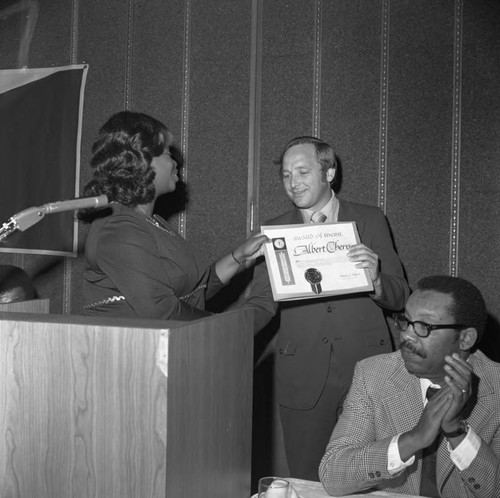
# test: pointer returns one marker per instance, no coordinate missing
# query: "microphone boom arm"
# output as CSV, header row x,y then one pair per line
x,y
21,221
29,217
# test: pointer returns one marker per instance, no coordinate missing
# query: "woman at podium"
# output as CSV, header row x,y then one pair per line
x,y
136,264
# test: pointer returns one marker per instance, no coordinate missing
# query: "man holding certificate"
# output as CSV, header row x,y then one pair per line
x,y
323,335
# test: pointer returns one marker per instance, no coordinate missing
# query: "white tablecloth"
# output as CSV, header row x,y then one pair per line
x,y
311,489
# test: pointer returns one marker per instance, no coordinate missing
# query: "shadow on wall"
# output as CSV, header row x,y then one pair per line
x,y
490,343
172,204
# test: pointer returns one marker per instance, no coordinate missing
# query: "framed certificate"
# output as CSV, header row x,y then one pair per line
x,y
310,261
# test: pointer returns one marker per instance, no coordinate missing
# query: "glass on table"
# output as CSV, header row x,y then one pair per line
x,y
273,487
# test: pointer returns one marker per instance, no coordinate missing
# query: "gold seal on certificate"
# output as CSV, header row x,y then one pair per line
x,y
314,277
311,260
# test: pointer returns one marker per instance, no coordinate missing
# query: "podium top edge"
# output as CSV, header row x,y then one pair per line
x,y
136,323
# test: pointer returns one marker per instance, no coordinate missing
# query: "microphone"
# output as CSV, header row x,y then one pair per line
x,y
74,204
28,217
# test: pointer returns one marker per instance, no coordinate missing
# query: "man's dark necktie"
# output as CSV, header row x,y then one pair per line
x,y
318,217
428,482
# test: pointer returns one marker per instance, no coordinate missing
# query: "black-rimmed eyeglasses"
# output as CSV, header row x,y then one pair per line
x,y
422,329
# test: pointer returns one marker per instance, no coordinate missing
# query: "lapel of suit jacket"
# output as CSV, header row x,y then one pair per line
x,y
296,217
404,405
348,212
404,398
480,413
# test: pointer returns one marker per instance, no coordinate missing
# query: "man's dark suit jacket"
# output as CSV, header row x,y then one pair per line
x,y
353,326
386,400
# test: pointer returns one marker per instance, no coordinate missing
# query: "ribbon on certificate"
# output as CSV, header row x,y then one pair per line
x,y
285,268
314,277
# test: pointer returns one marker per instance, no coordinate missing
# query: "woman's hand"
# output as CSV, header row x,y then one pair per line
x,y
251,249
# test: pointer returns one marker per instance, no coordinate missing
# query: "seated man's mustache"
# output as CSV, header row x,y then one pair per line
x,y
410,347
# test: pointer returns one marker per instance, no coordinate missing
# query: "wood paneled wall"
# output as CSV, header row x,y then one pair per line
x,y
406,90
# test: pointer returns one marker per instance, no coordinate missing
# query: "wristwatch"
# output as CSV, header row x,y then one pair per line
x,y
463,429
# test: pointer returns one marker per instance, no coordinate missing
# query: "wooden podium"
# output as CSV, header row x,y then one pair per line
x,y
31,306
115,408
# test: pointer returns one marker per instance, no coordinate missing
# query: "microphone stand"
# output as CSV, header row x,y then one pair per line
x,y
21,221
29,217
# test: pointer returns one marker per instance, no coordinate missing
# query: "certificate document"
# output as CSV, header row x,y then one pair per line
x,y
310,261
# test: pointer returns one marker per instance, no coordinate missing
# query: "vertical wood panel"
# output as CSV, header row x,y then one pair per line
x,y
78,414
318,53
479,237
350,93
184,138
287,91
47,49
255,108
211,384
384,97
455,151
103,39
103,42
218,125
157,60
69,267
160,40
420,133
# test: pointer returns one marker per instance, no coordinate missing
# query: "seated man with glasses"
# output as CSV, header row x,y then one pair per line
x,y
393,436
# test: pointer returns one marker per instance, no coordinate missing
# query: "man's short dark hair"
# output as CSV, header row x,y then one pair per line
x,y
469,307
325,154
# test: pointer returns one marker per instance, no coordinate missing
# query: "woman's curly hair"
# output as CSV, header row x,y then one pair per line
x,y
122,155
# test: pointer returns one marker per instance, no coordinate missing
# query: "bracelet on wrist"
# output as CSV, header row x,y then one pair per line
x,y
234,257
